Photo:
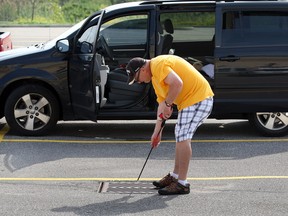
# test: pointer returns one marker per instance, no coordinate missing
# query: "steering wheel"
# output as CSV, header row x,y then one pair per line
x,y
104,48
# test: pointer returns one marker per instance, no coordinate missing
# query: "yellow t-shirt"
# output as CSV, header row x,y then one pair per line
x,y
195,87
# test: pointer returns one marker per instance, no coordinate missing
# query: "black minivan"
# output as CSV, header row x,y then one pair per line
x,y
241,48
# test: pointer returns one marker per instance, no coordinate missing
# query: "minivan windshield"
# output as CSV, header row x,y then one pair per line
x,y
73,29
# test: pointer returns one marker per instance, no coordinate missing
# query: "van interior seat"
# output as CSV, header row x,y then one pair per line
x,y
168,37
104,70
118,92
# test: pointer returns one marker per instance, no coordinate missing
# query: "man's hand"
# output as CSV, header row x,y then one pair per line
x,y
165,111
157,135
156,138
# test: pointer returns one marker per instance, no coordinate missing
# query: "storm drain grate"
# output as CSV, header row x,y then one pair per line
x,y
127,188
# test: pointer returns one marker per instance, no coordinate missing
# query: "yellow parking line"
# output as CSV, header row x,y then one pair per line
x,y
76,141
3,131
133,141
146,179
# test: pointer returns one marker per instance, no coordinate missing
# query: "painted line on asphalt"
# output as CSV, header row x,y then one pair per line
x,y
3,131
134,141
146,179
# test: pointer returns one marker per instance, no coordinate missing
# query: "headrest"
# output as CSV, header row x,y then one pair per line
x,y
168,26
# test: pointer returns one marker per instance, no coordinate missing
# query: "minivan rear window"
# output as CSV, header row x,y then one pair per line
x,y
253,28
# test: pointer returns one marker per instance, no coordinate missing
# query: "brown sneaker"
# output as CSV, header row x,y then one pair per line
x,y
175,188
165,181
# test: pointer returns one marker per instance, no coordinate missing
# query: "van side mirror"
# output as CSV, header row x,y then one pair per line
x,y
62,45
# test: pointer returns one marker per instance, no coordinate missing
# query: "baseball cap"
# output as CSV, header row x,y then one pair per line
x,y
133,67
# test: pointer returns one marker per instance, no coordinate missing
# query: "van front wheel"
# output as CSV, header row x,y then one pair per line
x,y
272,124
31,110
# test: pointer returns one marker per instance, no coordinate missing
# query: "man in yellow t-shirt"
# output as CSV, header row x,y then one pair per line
x,y
175,81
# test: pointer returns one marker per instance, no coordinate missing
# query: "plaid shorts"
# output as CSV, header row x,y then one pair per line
x,y
190,118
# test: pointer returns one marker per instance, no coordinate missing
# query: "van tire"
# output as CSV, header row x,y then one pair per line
x,y
273,124
25,116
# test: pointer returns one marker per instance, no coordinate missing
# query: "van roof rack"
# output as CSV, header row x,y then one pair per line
x,y
163,1
247,0
210,1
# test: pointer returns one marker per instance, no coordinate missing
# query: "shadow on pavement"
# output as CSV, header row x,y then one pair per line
x,y
123,205
220,143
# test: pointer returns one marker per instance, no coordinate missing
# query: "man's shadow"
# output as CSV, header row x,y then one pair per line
x,y
126,204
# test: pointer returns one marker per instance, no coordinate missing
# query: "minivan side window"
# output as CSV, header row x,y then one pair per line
x,y
254,28
126,30
187,29
190,26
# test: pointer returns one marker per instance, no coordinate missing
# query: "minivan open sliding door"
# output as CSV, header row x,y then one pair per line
x,y
84,70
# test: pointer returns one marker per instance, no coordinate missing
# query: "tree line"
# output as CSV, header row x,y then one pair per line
x,y
50,11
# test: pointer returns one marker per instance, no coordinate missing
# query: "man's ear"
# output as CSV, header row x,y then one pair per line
x,y
147,70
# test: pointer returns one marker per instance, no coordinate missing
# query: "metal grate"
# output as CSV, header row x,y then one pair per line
x,y
127,188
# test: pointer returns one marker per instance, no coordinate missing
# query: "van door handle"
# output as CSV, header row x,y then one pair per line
x,y
229,58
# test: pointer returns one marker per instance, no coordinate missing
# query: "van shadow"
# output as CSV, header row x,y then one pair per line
x,y
143,130
21,154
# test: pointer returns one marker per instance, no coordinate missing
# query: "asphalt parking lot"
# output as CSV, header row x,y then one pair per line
x,y
233,171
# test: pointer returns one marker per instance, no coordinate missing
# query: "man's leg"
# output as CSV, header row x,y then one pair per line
x,y
189,119
183,153
182,159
